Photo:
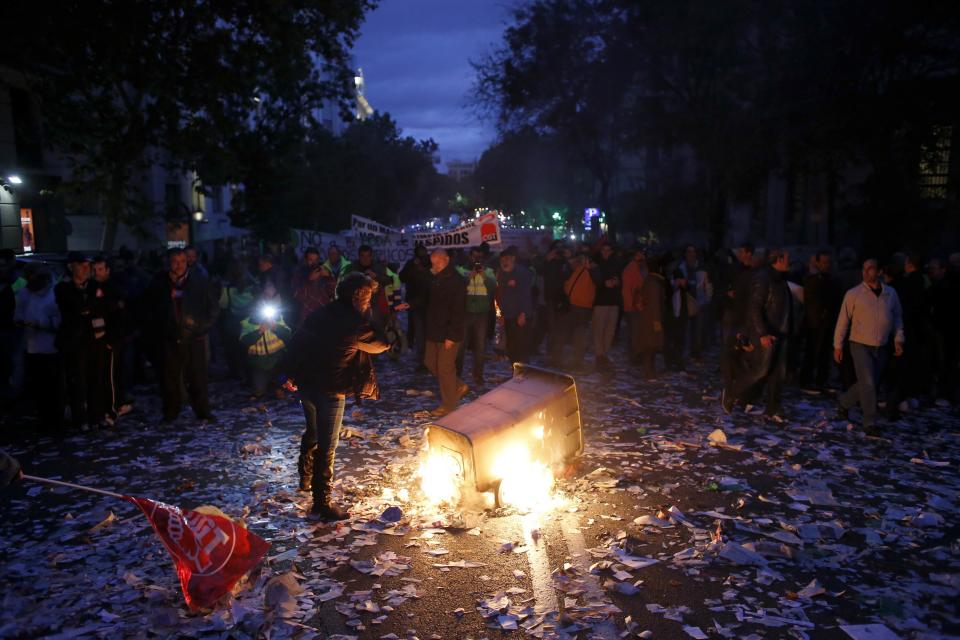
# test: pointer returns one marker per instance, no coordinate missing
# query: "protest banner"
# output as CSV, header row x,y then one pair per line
x,y
471,233
395,247
362,225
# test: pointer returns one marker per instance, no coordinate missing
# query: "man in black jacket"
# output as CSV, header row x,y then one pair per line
x,y
111,307
556,270
446,312
606,305
821,303
415,276
330,357
79,327
769,321
736,294
184,307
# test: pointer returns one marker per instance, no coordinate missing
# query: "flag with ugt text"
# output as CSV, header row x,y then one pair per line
x,y
210,550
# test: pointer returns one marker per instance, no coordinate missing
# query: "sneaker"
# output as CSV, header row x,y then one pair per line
x,y
327,512
726,402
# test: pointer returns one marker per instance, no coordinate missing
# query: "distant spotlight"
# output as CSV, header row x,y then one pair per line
x,y
14,180
198,216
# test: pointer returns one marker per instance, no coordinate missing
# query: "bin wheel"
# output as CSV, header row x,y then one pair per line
x,y
497,502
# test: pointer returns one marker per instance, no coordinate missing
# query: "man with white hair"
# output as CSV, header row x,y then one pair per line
x,y
870,313
446,313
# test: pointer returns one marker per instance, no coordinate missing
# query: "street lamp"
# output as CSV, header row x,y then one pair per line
x,y
198,215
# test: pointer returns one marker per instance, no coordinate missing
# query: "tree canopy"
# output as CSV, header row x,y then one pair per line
x,y
215,87
744,88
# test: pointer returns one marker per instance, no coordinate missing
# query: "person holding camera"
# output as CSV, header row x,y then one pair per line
x,y
481,287
265,336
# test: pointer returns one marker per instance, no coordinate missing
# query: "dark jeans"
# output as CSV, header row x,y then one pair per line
x,y
518,340
641,353
869,363
677,329
762,367
578,318
475,340
818,356
557,326
185,362
44,388
262,379
323,413
234,352
417,331
81,380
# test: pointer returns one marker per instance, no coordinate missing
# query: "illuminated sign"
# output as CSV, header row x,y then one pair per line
x,y
588,213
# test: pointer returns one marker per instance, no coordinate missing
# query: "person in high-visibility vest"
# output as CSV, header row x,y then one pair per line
x,y
266,336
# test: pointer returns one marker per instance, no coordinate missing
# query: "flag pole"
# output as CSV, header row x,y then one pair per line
x,y
70,485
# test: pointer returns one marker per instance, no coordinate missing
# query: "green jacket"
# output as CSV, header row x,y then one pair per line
x,y
341,269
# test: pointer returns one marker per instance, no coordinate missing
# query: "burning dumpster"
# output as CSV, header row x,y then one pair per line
x,y
506,441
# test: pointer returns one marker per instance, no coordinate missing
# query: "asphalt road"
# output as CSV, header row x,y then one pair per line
x,y
781,531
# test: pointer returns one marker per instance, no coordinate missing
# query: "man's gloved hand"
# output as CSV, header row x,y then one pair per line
x,y
9,470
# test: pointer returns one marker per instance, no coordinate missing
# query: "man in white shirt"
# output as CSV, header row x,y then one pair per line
x,y
871,313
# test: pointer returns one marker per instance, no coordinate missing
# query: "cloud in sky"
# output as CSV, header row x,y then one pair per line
x,y
415,56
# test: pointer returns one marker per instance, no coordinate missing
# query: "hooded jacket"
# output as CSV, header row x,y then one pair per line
x,y
331,353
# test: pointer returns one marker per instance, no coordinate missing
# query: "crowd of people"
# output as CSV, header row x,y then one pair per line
x,y
75,338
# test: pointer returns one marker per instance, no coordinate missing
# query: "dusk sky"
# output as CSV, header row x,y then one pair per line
x,y
415,56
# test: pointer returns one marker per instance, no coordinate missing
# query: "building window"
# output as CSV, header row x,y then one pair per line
x,y
935,164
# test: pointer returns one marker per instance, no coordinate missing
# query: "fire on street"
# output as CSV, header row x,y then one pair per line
x,y
676,521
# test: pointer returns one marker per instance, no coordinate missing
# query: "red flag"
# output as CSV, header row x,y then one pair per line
x,y
211,552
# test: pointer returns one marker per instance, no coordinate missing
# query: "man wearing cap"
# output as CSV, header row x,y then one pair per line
x,y
515,296
79,328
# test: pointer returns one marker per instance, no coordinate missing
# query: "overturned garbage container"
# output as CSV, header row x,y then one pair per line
x,y
512,435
